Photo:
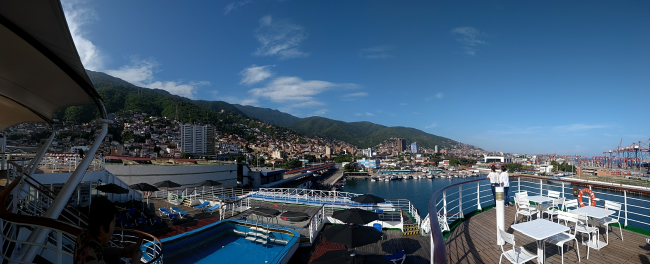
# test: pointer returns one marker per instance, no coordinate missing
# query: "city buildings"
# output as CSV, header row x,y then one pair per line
x,y
197,140
414,147
401,145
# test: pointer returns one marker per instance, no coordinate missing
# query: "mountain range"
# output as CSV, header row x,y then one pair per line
x,y
119,95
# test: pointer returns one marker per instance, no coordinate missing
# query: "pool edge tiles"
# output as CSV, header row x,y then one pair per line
x,y
225,234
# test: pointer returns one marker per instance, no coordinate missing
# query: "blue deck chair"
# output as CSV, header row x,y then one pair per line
x,y
123,221
378,227
179,211
146,214
132,214
397,257
211,209
204,204
168,213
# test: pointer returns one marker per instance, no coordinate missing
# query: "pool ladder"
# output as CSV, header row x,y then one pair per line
x,y
258,233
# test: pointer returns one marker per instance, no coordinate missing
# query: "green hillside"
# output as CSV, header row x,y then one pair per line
x,y
267,115
119,96
366,134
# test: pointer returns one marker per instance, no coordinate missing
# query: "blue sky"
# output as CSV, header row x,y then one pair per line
x,y
566,77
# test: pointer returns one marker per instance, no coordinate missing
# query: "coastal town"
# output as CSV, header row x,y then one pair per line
x,y
134,136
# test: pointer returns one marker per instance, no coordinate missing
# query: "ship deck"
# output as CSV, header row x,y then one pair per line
x,y
474,241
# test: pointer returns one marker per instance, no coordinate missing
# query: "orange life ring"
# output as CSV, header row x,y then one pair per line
x,y
591,194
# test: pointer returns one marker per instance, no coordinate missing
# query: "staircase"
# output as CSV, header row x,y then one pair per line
x,y
411,229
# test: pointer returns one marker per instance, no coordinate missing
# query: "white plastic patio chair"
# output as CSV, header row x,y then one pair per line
x,y
611,220
553,194
524,208
573,203
554,208
564,237
516,255
583,227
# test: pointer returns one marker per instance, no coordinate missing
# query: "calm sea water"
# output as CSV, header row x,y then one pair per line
x,y
417,191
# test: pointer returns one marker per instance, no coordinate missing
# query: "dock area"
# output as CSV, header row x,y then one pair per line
x,y
474,241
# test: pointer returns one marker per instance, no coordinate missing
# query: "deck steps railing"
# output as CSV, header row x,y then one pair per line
x,y
23,214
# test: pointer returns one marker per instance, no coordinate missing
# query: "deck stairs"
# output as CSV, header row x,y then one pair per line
x,y
411,229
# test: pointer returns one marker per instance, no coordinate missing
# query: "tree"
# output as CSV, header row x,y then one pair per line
x,y
186,155
350,167
453,162
240,158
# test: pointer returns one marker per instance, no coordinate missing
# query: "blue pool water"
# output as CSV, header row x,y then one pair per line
x,y
220,244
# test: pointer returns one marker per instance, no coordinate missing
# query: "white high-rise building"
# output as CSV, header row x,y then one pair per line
x,y
198,140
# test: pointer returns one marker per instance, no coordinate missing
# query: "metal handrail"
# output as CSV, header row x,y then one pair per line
x,y
438,250
63,229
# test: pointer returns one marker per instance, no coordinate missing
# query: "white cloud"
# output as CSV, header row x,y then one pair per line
x,y
255,74
77,17
279,38
292,89
403,104
431,126
250,101
364,114
234,5
517,131
359,94
439,95
354,96
577,127
140,73
321,112
469,38
379,52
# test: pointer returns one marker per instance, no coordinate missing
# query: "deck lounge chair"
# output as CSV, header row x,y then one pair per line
x,y
168,213
211,209
123,221
179,211
378,227
153,219
204,204
397,257
132,214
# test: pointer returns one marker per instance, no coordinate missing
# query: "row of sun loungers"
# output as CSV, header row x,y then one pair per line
x,y
133,217
179,213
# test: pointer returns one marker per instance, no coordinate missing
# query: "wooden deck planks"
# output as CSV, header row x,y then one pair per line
x,y
474,241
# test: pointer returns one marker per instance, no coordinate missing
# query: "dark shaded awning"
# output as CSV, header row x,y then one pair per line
x,y
40,69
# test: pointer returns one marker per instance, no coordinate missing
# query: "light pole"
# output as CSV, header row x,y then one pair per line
x,y
610,159
636,154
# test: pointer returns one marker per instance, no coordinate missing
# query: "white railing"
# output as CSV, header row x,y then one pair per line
x,y
408,206
316,223
451,203
236,206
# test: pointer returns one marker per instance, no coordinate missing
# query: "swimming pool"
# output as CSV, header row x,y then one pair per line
x,y
231,241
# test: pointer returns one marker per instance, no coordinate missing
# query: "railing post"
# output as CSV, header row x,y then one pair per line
x,y
499,195
478,196
518,184
562,189
444,203
460,201
625,197
541,188
59,247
